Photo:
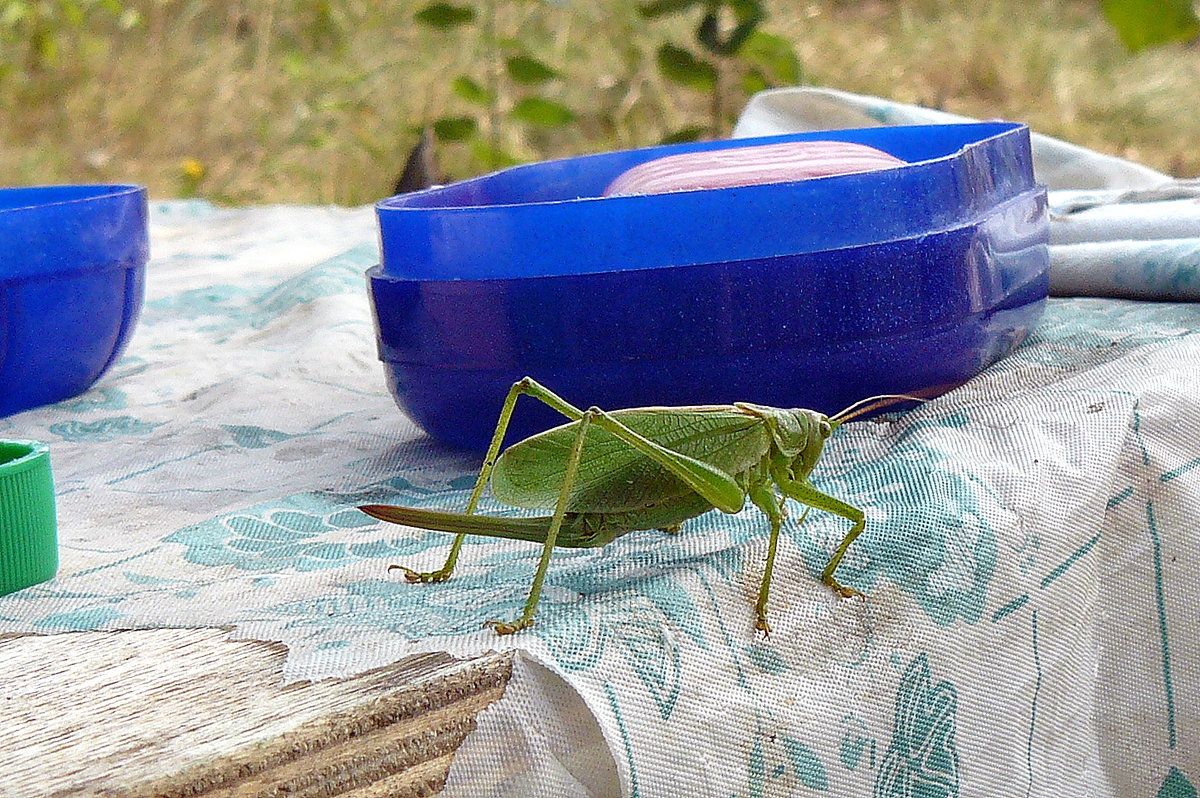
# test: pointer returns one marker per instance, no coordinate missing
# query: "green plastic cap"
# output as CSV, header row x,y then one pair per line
x,y
28,529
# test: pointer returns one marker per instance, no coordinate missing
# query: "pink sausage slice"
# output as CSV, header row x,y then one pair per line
x,y
748,166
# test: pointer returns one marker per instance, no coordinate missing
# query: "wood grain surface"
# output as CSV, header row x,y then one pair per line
x,y
188,712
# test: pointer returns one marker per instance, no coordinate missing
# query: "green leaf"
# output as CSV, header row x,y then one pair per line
x,y
542,112
45,46
745,9
454,128
775,57
491,157
469,90
13,14
297,67
680,66
1146,23
661,8
753,81
528,71
73,14
445,15
685,134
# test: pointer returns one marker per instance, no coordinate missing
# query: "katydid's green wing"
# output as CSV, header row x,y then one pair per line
x,y
613,476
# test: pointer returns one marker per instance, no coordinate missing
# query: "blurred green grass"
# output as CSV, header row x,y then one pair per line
x,y
287,101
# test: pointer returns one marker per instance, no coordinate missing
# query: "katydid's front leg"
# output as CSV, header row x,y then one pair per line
x,y
807,494
762,493
764,498
527,386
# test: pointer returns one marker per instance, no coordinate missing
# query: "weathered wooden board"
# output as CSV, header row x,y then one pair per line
x,y
188,712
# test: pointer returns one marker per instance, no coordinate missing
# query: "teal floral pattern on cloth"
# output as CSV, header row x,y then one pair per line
x,y
1016,526
1176,785
922,761
101,430
291,535
929,536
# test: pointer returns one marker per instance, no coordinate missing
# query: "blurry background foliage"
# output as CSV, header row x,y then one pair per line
x,y
320,101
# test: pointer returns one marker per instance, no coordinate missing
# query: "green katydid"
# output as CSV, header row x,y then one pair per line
x,y
608,473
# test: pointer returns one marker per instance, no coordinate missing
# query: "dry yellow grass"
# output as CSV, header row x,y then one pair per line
x,y
279,101
1053,64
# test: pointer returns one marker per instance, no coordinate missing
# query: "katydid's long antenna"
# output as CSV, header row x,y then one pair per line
x,y
872,403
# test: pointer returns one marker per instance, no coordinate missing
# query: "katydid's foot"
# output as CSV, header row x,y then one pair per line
x,y
415,577
503,628
762,625
842,590
673,529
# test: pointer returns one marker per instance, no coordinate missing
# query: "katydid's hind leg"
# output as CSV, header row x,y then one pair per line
x,y
807,494
764,498
529,387
560,511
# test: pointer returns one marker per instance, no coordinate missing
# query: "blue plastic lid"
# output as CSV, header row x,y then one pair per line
x,y
814,293
549,218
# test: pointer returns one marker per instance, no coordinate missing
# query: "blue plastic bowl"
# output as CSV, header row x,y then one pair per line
x,y
807,294
72,267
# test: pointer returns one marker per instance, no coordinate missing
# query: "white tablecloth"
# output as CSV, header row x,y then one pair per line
x,y
1031,627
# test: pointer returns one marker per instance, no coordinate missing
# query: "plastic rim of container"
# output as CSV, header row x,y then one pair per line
x,y
28,526
71,229
548,219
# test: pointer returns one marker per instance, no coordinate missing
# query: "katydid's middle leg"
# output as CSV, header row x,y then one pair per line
x,y
762,493
560,510
529,387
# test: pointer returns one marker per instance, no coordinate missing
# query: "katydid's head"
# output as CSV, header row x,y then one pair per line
x,y
869,405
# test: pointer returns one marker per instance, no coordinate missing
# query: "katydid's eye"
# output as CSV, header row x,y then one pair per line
x,y
826,428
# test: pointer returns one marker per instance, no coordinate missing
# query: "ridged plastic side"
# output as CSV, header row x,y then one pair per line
x,y
28,539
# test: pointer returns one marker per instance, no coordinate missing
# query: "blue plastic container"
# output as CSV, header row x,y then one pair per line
x,y
807,294
72,269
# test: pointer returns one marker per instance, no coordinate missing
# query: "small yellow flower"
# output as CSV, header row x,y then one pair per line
x,y
191,169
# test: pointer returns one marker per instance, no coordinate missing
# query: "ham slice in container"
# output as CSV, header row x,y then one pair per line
x,y
748,166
